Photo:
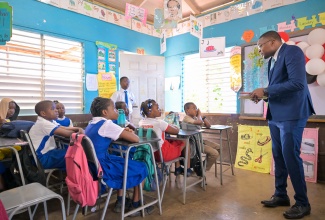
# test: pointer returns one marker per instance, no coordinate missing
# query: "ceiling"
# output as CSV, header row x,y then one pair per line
x,y
194,7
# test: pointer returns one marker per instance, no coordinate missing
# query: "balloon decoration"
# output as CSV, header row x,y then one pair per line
x,y
314,50
284,36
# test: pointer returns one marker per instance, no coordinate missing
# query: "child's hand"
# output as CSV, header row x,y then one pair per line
x,y
129,130
81,131
198,112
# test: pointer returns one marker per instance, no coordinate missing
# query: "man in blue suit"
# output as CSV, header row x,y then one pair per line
x,y
289,106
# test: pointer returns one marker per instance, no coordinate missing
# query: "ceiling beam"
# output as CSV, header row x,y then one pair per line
x,y
138,3
193,8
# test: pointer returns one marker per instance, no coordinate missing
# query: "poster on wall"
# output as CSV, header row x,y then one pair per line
x,y
309,154
173,10
135,11
6,22
196,27
107,73
212,47
254,150
163,43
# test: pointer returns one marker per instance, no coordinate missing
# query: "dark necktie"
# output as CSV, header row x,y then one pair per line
x,y
126,98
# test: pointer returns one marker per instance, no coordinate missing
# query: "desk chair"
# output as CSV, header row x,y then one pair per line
x,y
26,196
89,150
49,172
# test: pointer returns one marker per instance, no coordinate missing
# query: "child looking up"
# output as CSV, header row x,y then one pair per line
x,y
102,131
170,149
62,120
122,105
42,135
194,116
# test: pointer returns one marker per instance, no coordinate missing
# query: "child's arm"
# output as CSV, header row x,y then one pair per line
x,y
67,131
206,122
172,129
128,134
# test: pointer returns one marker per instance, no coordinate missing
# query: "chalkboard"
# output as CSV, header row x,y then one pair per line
x,y
255,76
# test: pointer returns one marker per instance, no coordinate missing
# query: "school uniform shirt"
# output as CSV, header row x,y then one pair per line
x,y
41,134
120,96
66,122
159,126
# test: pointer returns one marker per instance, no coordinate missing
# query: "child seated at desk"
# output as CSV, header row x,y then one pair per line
x,y
42,135
102,131
62,120
171,149
122,105
194,116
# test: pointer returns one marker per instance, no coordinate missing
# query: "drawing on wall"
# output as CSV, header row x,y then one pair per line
x,y
173,83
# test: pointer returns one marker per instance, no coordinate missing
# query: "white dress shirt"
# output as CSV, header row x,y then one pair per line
x,y
120,96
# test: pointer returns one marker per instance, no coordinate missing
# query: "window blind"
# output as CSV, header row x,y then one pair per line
x,y
35,67
206,82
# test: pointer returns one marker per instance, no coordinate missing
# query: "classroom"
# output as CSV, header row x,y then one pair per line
x,y
61,52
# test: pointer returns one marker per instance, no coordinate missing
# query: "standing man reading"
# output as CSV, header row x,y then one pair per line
x,y
124,95
289,106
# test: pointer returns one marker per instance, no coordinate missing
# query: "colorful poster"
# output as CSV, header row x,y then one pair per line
x,y
238,11
106,84
254,7
100,13
85,8
254,151
223,16
107,73
235,66
212,47
196,27
118,19
6,22
172,10
137,26
309,154
91,82
135,11
163,43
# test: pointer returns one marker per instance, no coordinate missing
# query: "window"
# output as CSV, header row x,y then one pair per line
x,y
206,82
35,67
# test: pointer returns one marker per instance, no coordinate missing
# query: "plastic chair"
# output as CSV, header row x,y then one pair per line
x,y
25,136
26,196
89,150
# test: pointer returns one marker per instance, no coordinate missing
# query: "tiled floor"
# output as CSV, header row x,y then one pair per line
x,y
238,198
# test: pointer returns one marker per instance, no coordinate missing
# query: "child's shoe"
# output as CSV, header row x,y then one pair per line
x,y
190,172
118,205
147,211
179,170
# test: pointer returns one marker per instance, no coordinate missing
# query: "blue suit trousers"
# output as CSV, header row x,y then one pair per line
x,y
286,143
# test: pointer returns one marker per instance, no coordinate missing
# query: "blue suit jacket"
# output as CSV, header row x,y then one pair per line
x,y
289,97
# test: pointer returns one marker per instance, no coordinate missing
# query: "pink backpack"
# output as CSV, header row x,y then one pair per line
x,y
82,188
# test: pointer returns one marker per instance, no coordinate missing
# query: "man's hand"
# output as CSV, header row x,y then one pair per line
x,y
257,95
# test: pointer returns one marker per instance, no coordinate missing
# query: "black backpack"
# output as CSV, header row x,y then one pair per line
x,y
32,173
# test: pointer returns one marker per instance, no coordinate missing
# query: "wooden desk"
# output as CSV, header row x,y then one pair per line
x,y
9,143
221,128
185,135
129,145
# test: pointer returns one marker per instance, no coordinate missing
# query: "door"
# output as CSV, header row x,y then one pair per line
x,y
147,79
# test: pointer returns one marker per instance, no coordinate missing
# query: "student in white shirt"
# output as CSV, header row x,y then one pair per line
x,y
123,93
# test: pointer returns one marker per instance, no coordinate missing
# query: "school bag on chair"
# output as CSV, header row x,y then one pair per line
x,y
82,187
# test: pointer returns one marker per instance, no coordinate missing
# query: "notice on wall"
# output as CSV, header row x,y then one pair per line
x,y
254,151
309,154
235,66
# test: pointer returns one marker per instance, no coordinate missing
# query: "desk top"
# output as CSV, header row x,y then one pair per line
x,y
188,132
218,127
9,142
142,140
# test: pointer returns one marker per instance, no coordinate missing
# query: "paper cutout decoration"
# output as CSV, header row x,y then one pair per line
x,y
196,27
172,10
235,68
248,35
5,22
254,7
135,11
238,11
212,47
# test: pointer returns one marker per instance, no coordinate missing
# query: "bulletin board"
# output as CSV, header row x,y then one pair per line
x,y
255,76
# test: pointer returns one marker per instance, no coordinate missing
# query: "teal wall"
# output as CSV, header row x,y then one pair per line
x,y
30,15
181,45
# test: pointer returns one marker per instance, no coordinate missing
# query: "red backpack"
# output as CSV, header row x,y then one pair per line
x,y
82,187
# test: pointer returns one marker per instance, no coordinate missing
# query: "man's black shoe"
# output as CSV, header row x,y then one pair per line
x,y
297,212
276,201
